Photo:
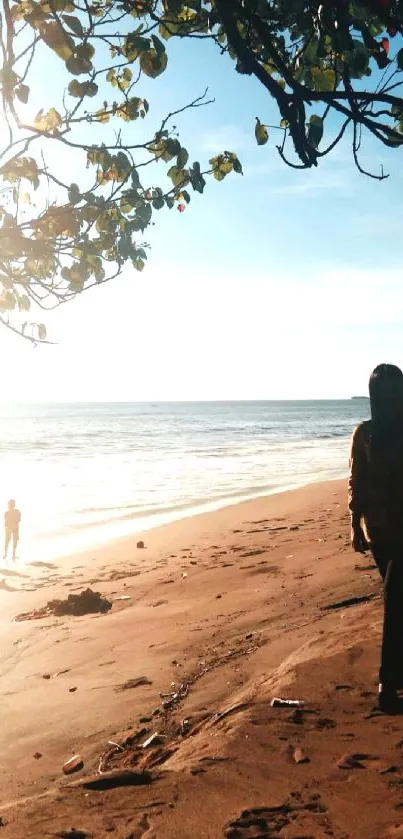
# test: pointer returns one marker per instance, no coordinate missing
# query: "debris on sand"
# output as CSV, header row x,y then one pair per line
x,y
171,699
140,545
34,615
279,702
154,739
133,683
74,764
87,602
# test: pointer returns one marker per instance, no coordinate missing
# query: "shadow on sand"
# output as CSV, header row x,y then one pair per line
x,y
11,572
4,586
43,564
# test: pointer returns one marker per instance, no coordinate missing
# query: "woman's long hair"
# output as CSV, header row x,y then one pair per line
x,y
386,399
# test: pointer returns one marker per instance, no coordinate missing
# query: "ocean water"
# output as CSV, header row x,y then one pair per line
x,y
86,473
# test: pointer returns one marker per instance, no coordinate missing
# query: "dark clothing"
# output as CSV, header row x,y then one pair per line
x,y
375,488
389,560
375,496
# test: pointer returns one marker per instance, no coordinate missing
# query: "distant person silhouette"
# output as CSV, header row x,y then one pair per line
x,y
376,507
12,518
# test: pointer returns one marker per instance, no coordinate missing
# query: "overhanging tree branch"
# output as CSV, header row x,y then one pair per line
x,y
331,71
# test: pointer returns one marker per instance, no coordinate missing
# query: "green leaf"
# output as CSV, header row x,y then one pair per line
x,y
153,63
7,301
102,116
74,194
22,167
196,178
58,40
168,28
158,45
315,130
85,51
74,24
49,121
171,149
126,205
130,109
127,74
237,166
357,60
24,303
311,50
323,80
42,332
111,77
182,158
123,163
261,133
134,45
22,93
81,89
179,177
58,6
78,66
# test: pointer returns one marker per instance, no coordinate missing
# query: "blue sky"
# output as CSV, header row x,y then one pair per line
x,y
277,284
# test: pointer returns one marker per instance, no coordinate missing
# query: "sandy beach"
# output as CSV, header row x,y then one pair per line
x,y
216,615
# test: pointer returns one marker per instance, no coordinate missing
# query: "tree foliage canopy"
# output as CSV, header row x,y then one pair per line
x,y
333,69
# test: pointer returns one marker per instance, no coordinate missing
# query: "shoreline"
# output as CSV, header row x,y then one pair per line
x,y
240,605
50,547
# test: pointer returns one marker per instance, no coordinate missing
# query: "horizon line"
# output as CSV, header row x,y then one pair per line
x,y
4,403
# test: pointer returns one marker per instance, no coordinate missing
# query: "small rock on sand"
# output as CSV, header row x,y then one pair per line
x,y
300,757
350,762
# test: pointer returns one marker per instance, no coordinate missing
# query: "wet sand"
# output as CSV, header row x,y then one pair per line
x,y
220,614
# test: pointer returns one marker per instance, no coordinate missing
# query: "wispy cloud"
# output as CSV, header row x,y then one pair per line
x,y
225,137
378,225
313,183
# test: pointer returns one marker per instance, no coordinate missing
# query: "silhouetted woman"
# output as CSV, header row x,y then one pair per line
x,y
376,507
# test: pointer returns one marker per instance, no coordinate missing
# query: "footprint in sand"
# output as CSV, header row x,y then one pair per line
x,y
262,822
43,564
142,828
354,653
393,832
263,569
258,822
